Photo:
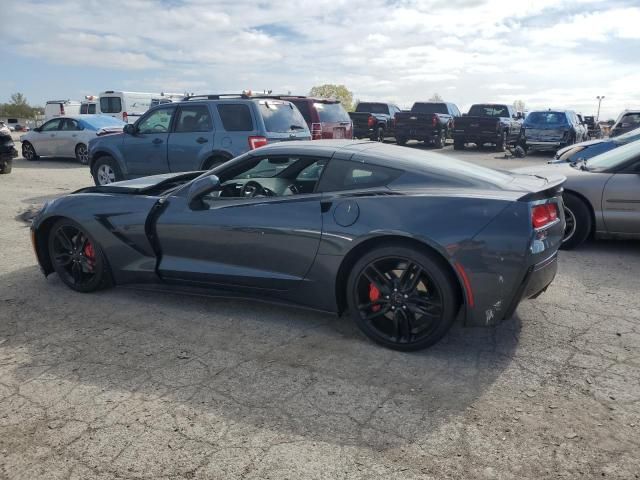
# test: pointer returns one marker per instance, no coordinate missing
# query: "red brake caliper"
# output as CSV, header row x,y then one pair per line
x,y
374,294
90,254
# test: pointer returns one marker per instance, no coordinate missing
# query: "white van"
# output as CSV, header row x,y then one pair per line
x,y
89,105
60,108
128,106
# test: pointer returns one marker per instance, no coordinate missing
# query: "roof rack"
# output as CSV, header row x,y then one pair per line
x,y
216,96
277,96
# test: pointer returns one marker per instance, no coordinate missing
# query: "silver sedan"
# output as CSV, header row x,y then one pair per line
x,y
68,136
601,195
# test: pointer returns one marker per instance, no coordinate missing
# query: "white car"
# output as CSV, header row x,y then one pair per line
x,y
4,128
68,136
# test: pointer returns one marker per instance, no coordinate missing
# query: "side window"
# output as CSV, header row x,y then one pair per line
x,y
347,175
67,124
92,108
157,121
84,108
235,117
303,106
194,118
50,126
110,105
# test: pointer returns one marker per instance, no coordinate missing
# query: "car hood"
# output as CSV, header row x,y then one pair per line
x,y
551,170
581,144
144,185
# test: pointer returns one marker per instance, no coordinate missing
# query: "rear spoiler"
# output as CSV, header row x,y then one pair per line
x,y
552,188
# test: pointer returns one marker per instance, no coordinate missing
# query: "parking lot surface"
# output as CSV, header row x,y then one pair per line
x,y
134,384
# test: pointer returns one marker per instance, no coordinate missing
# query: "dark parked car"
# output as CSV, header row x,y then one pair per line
x,y
336,226
430,122
591,148
551,130
374,120
326,118
7,151
195,134
593,129
487,123
627,121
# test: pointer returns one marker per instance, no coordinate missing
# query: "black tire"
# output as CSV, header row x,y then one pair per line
x,y
401,140
5,166
458,144
440,140
213,162
379,135
106,170
438,294
28,152
502,144
77,258
82,154
578,220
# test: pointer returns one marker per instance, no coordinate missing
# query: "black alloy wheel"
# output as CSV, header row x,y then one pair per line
x,y
401,298
28,152
76,258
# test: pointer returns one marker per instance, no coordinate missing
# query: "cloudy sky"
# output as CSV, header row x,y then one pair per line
x,y
548,53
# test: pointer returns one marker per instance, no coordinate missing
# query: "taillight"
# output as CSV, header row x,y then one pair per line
x,y
257,142
434,121
543,215
125,117
316,131
371,121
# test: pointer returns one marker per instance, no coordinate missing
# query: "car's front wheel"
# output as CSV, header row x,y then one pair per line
x,y
578,221
77,258
82,154
28,152
106,170
401,297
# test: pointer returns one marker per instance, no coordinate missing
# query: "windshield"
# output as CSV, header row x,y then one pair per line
x,y
373,108
631,136
429,108
546,118
101,121
614,158
281,117
496,111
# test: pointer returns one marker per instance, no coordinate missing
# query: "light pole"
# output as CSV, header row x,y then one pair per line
x,y
600,98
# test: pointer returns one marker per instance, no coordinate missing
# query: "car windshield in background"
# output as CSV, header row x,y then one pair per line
x,y
101,121
429,108
630,136
110,105
280,117
630,120
372,108
332,112
614,158
267,167
488,111
546,118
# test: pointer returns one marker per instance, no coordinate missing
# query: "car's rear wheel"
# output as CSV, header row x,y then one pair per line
x,y
501,146
28,152
77,258
106,170
213,162
578,221
379,135
401,298
458,144
440,140
82,154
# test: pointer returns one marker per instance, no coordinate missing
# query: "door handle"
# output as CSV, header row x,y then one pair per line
x,y
202,140
156,141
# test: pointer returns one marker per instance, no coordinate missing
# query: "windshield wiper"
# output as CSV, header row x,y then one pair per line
x,y
296,127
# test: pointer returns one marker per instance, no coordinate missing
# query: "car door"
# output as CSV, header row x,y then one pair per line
x,y
67,137
145,150
255,242
191,140
44,140
621,201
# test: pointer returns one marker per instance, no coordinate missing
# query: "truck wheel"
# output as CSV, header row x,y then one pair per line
x,y
501,146
458,144
5,166
379,135
106,170
440,140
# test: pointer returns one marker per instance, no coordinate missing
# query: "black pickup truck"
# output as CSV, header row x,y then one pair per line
x,y
488,123
374,120
428,122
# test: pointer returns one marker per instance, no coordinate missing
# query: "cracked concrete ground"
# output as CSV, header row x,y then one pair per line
x,y
131,384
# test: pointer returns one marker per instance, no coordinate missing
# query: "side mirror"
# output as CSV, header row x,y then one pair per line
x,y
129,129
201,186
37,129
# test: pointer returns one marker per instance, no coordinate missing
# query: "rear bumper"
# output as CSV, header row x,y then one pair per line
x,y
425,134
360,132
478,137
544,145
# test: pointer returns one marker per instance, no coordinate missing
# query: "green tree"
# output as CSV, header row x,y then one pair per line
x,y
436,97
339,92
19,107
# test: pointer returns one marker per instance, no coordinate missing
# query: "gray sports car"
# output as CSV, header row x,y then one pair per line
x,y
398,237
602,194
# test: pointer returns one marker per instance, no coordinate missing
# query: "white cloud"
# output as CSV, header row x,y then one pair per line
x,y
545,52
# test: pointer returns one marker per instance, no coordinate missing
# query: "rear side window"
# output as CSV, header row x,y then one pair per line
x,y
194,118
235,117
303,106
281,117
110,105
332,112
84,109
346,175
